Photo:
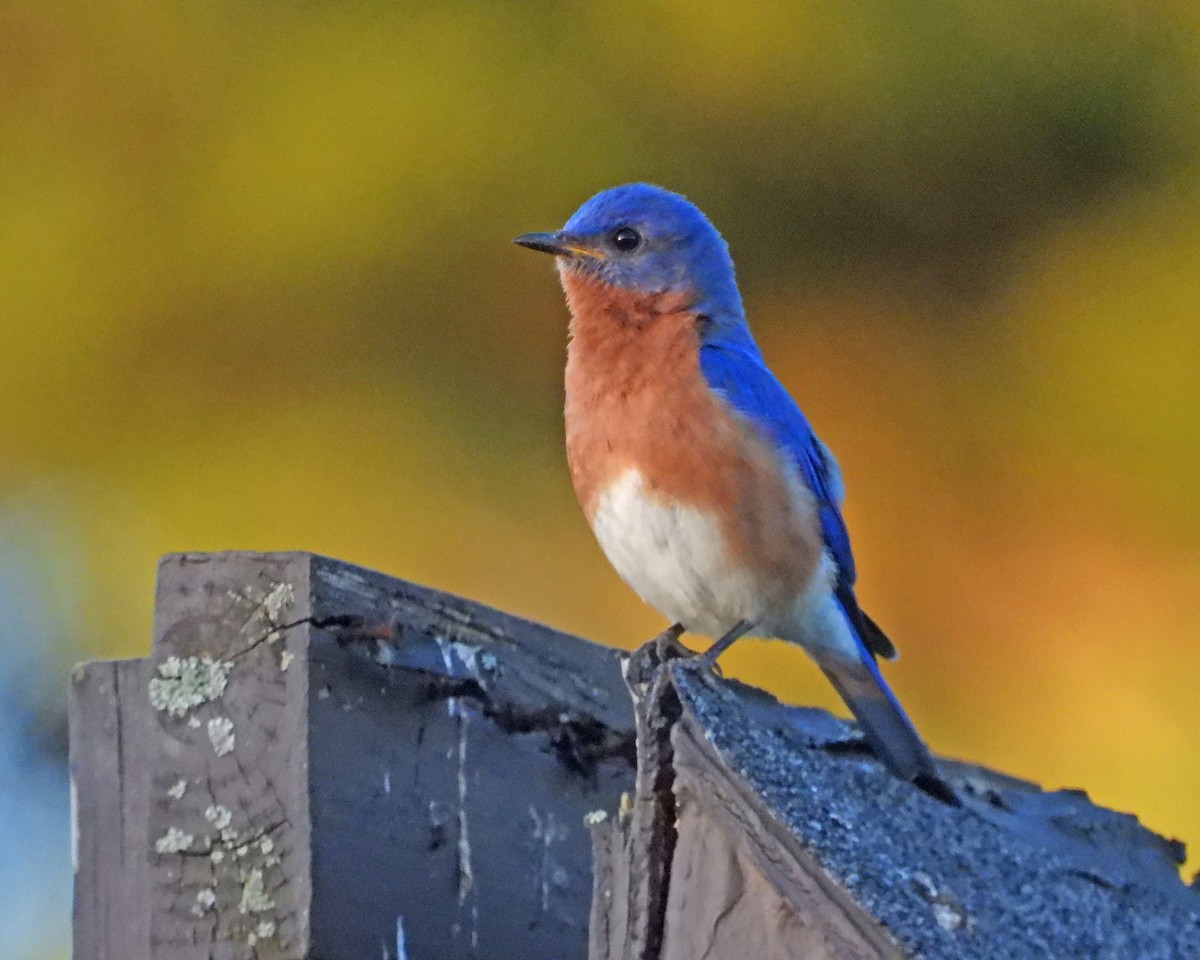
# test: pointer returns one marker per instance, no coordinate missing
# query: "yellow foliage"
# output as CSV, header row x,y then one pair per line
x,y
258,293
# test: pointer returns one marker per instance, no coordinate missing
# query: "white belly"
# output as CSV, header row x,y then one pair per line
x,y
674,558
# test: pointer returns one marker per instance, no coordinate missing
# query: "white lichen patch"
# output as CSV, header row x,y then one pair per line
x,y
220,735
177,790
206,898
217,856
948,917
184,683
285,659
947,912
173,841
595,818
266,845
194,723
219,816
281,596
265,929
254,894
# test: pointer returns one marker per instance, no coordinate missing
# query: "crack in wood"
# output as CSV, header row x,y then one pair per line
x,y
579,742
633,852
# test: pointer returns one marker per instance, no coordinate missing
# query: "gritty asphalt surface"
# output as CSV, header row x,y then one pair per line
x,y
1015,874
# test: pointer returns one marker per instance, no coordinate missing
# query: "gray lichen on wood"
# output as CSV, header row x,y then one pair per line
x,y
233,884
319,761
208,744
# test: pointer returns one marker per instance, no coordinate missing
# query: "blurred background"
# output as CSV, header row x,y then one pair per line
x,y
258,292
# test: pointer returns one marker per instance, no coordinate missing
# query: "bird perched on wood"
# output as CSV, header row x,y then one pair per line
x,y
702,480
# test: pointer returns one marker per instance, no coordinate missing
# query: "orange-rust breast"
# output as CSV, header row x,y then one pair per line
x,y
636,398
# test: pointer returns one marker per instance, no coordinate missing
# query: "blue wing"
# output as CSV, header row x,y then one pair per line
x,y
733,367
737,372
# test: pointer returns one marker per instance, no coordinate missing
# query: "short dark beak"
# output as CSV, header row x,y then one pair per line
x,y
559,244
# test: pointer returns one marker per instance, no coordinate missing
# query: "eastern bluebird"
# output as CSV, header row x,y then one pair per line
x,y
703,482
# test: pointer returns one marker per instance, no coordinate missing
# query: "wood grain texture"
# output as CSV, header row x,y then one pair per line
x,y
695,865
109,723
317,761
739,879
187,772
632,851
228,772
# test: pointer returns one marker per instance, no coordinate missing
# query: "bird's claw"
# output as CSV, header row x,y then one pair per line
x,y
641,663
668,645
705,661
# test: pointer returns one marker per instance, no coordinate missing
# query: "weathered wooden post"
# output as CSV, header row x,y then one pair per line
x,y
317,761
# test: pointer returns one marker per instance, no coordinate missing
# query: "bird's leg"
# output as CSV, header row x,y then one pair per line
x,y
667,644
709,657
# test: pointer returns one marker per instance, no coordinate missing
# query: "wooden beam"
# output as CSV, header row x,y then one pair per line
x,y
768,831
696,866
109,720
319,761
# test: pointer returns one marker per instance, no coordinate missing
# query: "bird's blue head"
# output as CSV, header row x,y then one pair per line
x,y
643,238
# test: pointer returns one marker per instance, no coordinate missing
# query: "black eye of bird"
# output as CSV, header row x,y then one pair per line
x,y
626,239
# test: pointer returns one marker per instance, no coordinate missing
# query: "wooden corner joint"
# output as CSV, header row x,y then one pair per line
x,y
695,864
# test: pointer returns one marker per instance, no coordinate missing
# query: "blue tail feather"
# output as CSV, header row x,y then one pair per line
x,y
883,721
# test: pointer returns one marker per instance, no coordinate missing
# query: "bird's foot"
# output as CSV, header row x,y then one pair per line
x,y
641,663
668,645
708,659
